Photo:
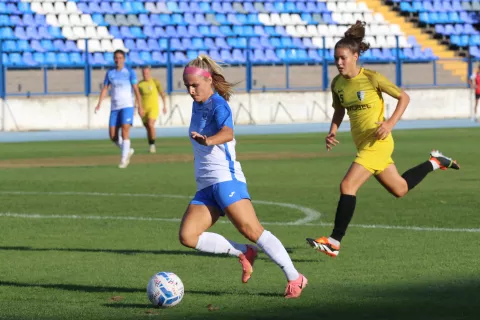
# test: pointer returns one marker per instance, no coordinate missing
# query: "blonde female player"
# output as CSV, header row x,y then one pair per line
x,y
221,185
359,91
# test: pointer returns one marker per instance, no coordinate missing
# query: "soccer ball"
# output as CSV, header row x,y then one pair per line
x,y
165,289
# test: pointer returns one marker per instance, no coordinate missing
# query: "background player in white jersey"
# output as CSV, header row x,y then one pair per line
x,y
121,80
221,185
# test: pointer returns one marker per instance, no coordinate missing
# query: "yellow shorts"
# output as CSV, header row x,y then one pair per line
x,y
150,113
376,157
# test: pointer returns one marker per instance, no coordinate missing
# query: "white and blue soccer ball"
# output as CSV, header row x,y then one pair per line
x,y
165,290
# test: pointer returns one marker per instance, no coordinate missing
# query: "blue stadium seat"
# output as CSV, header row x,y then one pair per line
x,y
50,59
179,58
142,45
76,59
63,59
116,8
217,7
171,31
152,45
239,56
177,19
144,19
149,32
314,56
163,44
215,55
126,33
200,19
59,45
24,7
190,19
221,43
39,58
98,19
47,45
159,58
176,44
205,7
9,46
23,46
16,21
209,43
55,32
227,31
37,46
6,33
15,59
70,46
159,32
137,32
26,60
271,56
173,6
226,56
146,57
83,7
130,44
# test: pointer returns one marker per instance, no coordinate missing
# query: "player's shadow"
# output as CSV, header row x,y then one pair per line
x,y
85,288
139,251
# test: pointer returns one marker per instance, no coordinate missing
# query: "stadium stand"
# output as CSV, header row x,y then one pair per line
x,y
53,33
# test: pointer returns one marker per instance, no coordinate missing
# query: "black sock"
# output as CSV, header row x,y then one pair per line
x,y
345,209
416,174
151,141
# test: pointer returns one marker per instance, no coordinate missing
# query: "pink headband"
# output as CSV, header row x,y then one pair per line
x,y
197,71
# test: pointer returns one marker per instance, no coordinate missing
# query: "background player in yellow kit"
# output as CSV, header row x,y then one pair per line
x,y
150,88
359,91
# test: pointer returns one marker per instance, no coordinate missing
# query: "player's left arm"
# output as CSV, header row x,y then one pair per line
x,y
224,121
386,86
162,95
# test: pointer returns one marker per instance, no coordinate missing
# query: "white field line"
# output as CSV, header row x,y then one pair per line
x,y
310,214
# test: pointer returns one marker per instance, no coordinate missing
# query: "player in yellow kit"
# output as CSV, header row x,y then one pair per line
x,y
150,88
359,92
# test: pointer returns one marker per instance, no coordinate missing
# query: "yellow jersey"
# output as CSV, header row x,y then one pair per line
x,y
362,97
149,91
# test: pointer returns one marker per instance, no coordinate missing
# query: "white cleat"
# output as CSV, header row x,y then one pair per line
x,y
124,163
152,149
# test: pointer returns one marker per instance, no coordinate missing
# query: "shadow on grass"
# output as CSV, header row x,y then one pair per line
x,y
138,251
434,300
84,288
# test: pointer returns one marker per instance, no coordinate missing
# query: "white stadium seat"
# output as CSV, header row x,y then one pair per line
x,y
106,45
63,20
118,45
52,20
60,7
103,33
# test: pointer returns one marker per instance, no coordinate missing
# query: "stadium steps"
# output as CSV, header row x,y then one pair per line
x,y
456,68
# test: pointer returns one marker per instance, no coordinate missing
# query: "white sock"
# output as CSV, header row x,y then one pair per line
x,y
215,243
275,250
125,149
119,142
434,164
334,241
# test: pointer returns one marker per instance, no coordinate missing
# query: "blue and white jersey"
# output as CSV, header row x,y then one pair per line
x,y
121,91
213,164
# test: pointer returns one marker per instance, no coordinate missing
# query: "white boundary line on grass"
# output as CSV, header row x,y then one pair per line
x,y
310,214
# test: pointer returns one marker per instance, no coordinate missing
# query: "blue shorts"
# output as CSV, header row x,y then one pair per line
x,y
222,194
121,116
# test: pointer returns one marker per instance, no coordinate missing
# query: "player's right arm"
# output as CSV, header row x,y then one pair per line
x,y
103,93
338,115
471,81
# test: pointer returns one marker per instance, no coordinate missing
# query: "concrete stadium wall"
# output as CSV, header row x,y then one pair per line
x,y
61,113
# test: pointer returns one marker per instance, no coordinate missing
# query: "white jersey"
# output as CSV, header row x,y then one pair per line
x,y
214,164
121,91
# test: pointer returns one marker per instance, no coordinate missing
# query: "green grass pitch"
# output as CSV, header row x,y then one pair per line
x,y
412,258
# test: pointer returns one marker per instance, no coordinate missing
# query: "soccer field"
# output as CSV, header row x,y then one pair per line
x,y
80,238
